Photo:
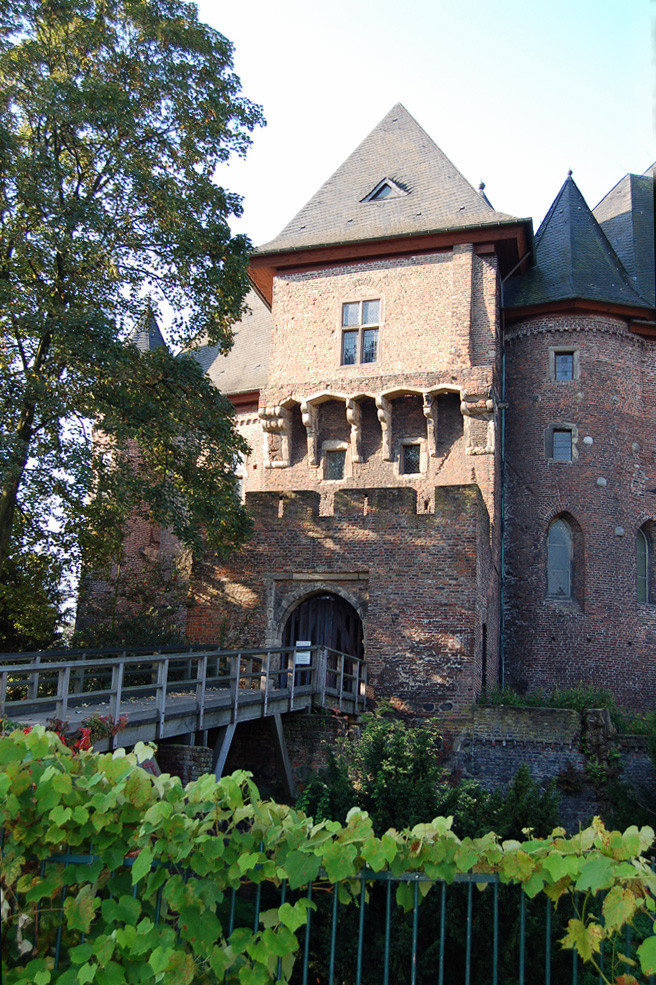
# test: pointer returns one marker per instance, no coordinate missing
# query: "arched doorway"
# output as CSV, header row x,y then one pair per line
x,y
328,620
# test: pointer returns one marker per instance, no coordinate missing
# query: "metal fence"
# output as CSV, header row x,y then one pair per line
x,y
474,931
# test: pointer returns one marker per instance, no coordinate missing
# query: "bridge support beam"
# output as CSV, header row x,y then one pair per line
x,y
282,758
222,748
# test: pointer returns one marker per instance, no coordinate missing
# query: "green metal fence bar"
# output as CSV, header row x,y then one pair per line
x,y
470,891
306,948
442,933
333,936
522,933
388,930
547,945
358,974
495,933
283,893
415,926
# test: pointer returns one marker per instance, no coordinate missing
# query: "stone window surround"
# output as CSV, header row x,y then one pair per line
x,y
644,536
398,456
548,441
555,350
344,446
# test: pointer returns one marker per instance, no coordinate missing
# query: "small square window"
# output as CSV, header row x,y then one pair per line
x,y
370,312
360,339
562,446
410,459
564,365
335,462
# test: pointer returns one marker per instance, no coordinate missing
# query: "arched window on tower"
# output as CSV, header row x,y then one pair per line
x,y
560,554
642,566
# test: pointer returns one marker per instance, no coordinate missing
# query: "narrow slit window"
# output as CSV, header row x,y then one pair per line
x,y
642,573
559,561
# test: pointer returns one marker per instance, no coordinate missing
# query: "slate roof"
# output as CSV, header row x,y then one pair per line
x,y
246,366
626,215
574,260
437,196
146,334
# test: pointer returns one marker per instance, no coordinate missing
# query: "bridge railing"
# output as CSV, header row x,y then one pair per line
x,y
116,679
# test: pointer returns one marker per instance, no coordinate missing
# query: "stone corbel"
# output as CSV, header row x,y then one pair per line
x,y
478,412
277,420
354,418
310,418
384,411
430,413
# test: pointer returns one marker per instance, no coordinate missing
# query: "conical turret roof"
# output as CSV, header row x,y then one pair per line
x,y
626,215
574,260
146,334
396,183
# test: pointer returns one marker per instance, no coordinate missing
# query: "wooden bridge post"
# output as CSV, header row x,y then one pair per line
x,y
341,680
321,672
3,691
63,684
267,670
78,677
160,695
34,683
201,678
115,695
235,665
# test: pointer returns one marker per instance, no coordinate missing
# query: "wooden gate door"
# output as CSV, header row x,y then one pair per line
x,y
326,620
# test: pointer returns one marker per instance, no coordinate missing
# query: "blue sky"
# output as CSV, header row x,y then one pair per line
x,y
515,93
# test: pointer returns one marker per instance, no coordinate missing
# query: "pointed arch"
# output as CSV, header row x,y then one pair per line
x,y
564,559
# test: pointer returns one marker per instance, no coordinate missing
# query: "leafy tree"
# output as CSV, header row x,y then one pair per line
x,y
114,115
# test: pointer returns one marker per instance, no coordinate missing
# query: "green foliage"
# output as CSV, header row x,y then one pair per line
x,y
113,119
393,772
578,698
31,602
153,904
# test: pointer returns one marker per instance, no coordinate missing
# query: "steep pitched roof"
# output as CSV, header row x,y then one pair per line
x,y
146,334
626,215
428,193
574,260
246,366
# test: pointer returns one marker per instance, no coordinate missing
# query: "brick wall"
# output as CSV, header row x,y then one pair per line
x,y
419,582
604,636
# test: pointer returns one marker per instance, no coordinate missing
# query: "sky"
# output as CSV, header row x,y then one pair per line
x,y
515,92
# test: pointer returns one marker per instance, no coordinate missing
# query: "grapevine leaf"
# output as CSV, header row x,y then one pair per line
x,y
647,955
301,868
585,938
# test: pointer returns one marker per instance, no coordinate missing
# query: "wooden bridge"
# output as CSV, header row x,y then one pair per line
x,y
180,692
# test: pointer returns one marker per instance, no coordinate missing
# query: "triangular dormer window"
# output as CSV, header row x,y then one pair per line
x,y
383,190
